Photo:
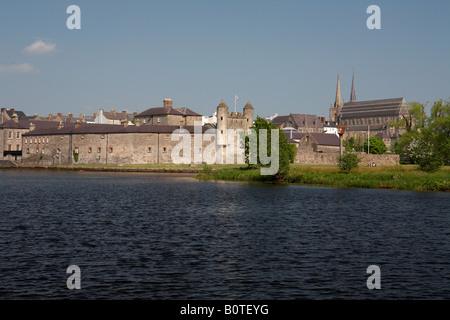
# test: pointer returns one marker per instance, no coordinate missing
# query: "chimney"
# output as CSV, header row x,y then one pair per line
x,y
167,104
60,114
15,117
60,125
13,110
95,114
70,115
124,122
113,111
77,123
50,116
32,126
81,116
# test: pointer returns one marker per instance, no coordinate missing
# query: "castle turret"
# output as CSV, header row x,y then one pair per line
x,y
248,114
222,120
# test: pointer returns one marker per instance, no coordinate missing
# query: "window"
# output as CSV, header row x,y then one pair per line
x,y
82,137
10,134
150,136
62,137
47,139
9,147
111,149
25,140
39,140
103,136
89,150
159,119
18,147
149,149
167,136
43,151
35,140
99,150
37,150
77,150
164,149
18,135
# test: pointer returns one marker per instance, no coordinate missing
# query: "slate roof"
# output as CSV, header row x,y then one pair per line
x,y
86,128
326,139
159,111
311,120
187,112
279,120
20,114
25,124
375,108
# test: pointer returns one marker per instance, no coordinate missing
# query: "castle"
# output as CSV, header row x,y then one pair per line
x,y
149,141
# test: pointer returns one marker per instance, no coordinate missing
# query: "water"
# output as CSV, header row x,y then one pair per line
x,y
165,236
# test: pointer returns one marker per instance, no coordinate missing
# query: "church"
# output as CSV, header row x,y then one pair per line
x,y
363,119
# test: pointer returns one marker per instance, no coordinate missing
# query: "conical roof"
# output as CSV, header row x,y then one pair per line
x,y
248,106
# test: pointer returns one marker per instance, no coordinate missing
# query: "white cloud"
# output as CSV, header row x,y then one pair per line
x,y
40,47
18,68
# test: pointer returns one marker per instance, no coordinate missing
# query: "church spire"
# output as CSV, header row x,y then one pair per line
x,y
338,101
353,93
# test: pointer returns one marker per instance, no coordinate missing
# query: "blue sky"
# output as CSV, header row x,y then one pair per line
x,y
283,56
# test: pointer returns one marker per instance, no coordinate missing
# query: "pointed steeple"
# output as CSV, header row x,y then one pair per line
x,y
338,101
353,93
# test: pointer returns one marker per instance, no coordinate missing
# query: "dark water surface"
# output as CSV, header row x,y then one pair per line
x,y
165,236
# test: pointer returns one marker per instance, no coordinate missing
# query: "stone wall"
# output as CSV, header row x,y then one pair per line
x,y
331,158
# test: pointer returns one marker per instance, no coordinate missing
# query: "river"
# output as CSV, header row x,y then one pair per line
x,y
170,236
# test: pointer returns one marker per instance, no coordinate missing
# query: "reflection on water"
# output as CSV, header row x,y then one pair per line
x,y
165,236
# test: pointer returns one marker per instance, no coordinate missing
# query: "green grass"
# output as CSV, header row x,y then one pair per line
x,y
382,177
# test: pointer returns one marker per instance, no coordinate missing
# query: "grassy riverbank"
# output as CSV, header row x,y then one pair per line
x,y
403,177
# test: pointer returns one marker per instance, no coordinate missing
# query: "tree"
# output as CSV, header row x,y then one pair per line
x,y
424,152
428,142
348,161
376,146
286,151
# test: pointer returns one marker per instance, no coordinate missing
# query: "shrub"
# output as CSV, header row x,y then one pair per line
x,y
348,161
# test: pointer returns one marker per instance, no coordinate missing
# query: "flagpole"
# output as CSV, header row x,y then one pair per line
x,y
234,103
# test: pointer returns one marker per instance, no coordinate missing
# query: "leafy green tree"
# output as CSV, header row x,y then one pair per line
x,y
425,153
376,146
348,161
286,152
439,127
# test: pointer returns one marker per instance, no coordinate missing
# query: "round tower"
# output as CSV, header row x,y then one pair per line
x,y
248,114
222,116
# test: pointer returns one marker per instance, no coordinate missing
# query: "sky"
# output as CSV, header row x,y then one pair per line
x,y
283,56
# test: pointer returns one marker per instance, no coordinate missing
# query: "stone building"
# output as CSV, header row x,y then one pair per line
x,y
103,144
313,142
167,115
11,135
363,119
300,122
